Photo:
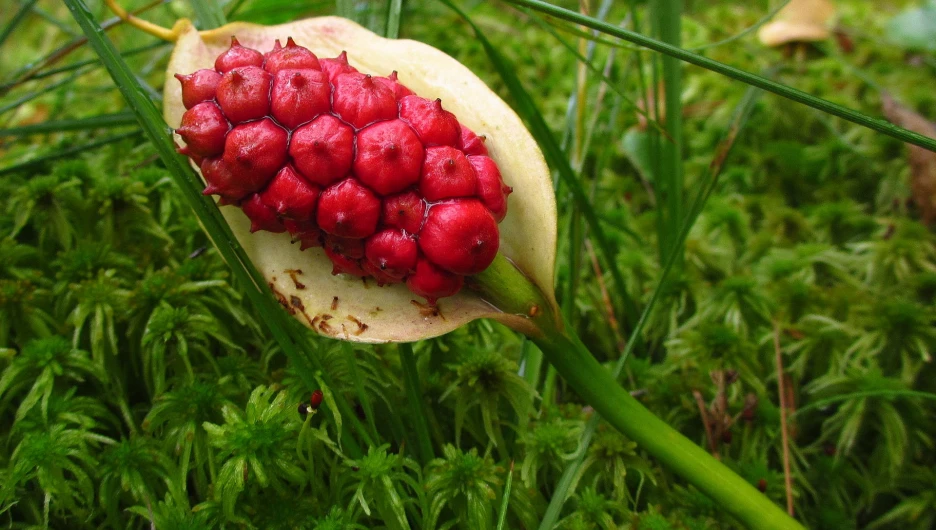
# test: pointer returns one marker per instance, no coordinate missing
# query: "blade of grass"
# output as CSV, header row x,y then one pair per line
x,y
394,9
349,356
754,27
208,15
563,488
78,64
890,394
754,80
292,342
632,105
104,121
667,16
505,499
559,162
63,153
18,17
30,70
416,405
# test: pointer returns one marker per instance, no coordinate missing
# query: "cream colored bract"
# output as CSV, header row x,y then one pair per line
x,y
351,308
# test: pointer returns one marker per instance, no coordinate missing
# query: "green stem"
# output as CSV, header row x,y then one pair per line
x,y
508,289
799,96
417,407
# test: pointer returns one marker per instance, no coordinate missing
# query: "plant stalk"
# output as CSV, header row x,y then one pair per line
x,y
507,288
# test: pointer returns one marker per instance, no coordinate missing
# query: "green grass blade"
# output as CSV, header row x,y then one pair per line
x,y
394,10
208,14
754,27
560,163
888,394
104,121
563,488
505,499
416,405
667,16
17,18
281,326
65,153
754,80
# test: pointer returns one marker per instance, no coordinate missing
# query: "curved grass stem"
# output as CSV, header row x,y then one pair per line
x,y
507,288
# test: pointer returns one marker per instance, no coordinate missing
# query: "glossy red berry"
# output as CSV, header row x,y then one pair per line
x,y
446,174
432,282
256,151
460,236
204,128
389,157
405,211
202,85
237,56
433,124
291,57
291,196
316,400
360,100
393,251
471,143
348,209
491,188
298,96
395,86
337,66
323,149
244,94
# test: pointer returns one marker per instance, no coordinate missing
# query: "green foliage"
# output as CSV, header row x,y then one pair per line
x,y
138,388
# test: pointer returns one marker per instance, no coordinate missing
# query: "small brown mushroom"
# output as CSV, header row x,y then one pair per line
x,y
798,22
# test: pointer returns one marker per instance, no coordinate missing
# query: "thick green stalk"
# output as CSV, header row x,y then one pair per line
x,y
755,80
508,289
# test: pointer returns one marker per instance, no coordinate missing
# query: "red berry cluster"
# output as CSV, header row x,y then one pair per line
x,y
389,183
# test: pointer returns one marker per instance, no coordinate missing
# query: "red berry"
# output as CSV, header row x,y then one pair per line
x,y
395,86
291,57
199,86
323,149
460,236
405,211
298,96
343,264
237,56
471,143
316,400
360,100
446,174
433,283
351,248
291,196
261,216
434,125
255,151
393,251
348,209
491,187
389,157
222,181
203,129
244,94
337,66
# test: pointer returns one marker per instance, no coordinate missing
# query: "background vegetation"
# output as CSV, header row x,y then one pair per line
x,y
140,387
